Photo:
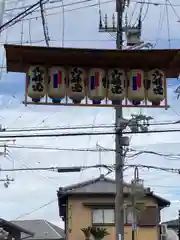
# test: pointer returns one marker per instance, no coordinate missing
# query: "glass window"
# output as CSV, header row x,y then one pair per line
x,y
108,215
103,216
97,216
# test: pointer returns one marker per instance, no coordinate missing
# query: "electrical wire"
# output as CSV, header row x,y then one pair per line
x,y
129,155
63,195
21,15
84,134
35,210
63,23
85,157
69,10
173,8
155,3
160,24
77,127
171,170
57,169
30,167
29,31
44,23
168,25
85,1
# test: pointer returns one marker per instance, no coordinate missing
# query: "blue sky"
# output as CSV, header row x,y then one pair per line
x,y
33,189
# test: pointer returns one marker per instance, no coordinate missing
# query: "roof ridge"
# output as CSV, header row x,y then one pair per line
x,y
21,220
80,184
87,182
50,226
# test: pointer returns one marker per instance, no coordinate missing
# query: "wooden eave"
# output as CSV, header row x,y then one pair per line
x,y
19,58
161,201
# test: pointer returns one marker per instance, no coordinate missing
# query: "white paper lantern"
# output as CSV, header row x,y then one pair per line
x,y
76,84
97,85
116,85
36,83
136,90
57,84
156,87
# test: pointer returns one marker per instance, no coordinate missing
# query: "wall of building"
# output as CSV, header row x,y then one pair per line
x,y
80,216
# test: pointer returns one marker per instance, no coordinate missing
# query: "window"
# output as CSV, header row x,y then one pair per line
x,y
128,216
107,216
103,216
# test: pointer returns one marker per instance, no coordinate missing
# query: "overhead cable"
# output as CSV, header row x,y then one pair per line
x,y
44,24
129,154
21,15
63,195
78,127
58,169
8,136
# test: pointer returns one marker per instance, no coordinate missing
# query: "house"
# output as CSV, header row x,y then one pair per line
x,y
42,229
9,231
91,203
173,224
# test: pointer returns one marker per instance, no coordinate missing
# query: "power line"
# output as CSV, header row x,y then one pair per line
x,y
44,24
80,40
69,10
172,170
80,168
59,6
21,15
54,200
35,210
84,134
87,1
58,169
171,156
79,127
155,3
75,127
57,149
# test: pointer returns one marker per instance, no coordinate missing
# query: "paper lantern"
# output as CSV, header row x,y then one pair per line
x,y
97,85
136,91
76,84
57,84
116,85
36,83
155,86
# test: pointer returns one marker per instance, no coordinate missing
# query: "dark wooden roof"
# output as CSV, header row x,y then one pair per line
x,y
19,58
102,186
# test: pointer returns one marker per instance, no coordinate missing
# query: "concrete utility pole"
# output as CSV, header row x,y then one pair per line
x,y
137,193
121,123
179,224
119,200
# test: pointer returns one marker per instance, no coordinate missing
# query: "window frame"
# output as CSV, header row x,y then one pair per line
x,y
103,222
126,220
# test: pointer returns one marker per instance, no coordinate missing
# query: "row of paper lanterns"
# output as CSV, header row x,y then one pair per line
x,y
97,90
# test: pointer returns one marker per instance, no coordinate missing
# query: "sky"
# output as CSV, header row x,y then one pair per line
x,y
31,190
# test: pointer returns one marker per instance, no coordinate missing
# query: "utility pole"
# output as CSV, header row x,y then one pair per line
x,y
137,193
133,42
119,199
179,224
